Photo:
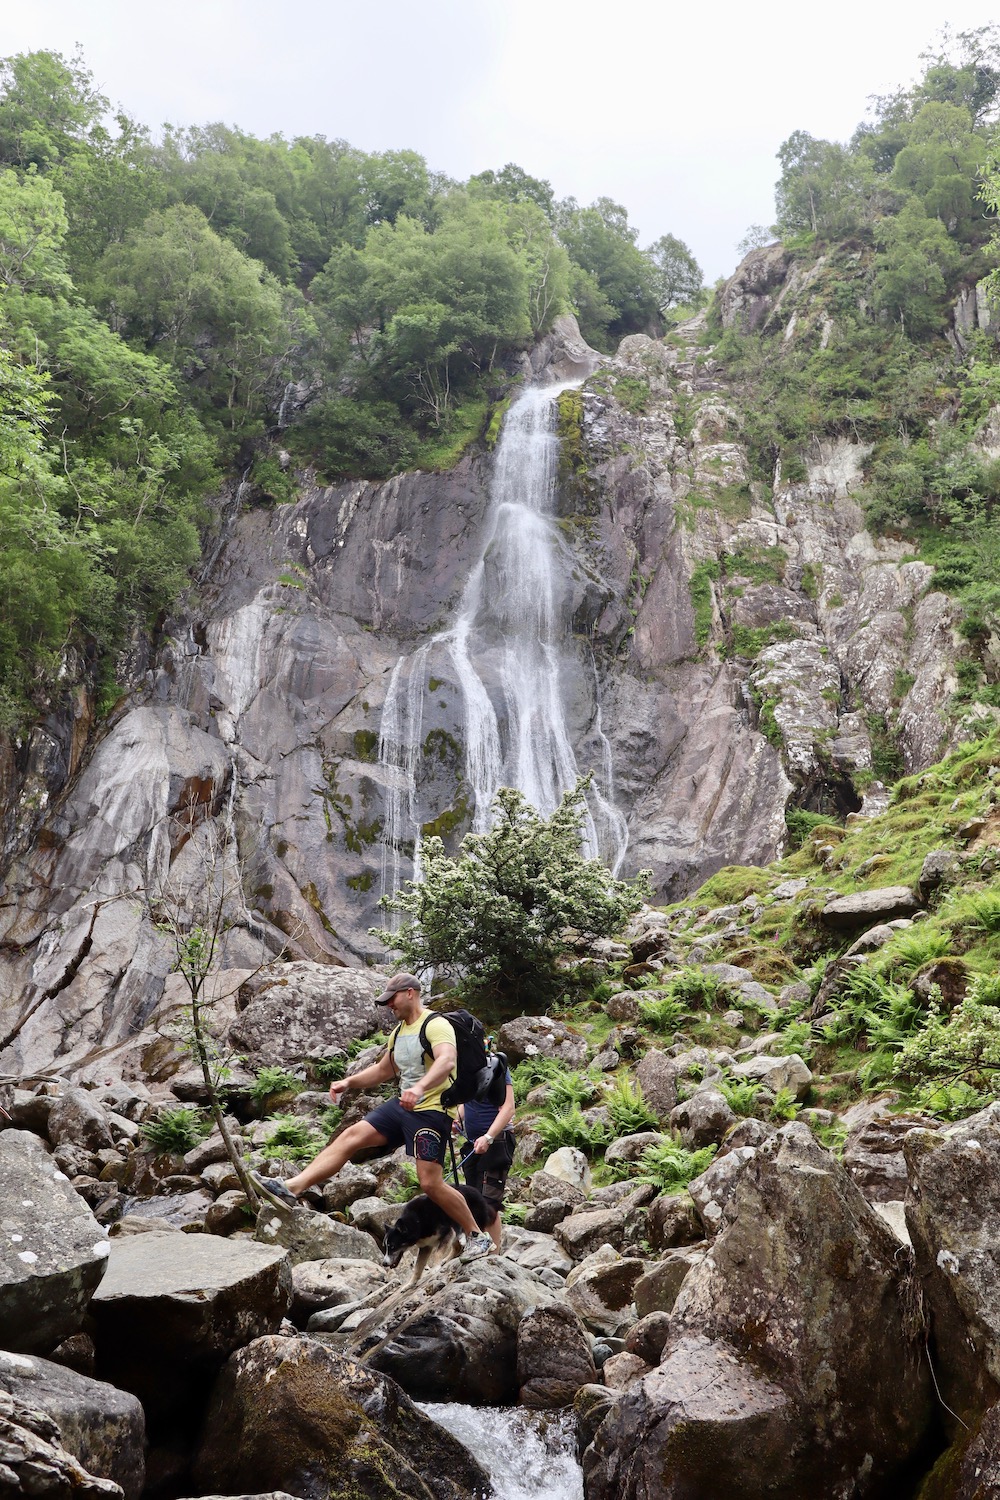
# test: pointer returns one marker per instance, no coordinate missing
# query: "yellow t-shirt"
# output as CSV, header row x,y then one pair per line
x,y
412,1063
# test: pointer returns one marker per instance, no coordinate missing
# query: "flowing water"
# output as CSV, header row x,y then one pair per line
x,y
510,649
528,1455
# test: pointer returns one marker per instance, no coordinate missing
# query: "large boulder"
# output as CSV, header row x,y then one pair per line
x,y
554,1357
290,1414
865,908
53,1252
319,1284
305,1010
453,1337
34,1462
952,1213
77,1119
540,1036
793,1366
174,1306
103,1428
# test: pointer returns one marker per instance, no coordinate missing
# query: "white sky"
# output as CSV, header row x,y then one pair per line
x,y
674,110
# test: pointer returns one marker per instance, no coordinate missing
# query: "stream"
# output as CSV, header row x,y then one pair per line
x,y
529,1455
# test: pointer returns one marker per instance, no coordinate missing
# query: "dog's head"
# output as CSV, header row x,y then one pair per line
x,y
395,1241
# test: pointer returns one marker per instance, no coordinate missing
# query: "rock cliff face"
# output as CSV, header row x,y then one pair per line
x,y
739,644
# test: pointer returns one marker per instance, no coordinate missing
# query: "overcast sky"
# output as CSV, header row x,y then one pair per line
x,y
675,110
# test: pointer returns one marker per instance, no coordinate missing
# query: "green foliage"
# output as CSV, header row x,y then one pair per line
x,y
571,1128
628,1109
495,914
402,1192
531,1071
664,1014
740,1094
671,1166
274,1080
632,393
294,1139
177,1130
800,824
702,599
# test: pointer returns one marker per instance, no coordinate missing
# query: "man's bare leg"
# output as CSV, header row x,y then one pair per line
x,y
330,1160
430,1175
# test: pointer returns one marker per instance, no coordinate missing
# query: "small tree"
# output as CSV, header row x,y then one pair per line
x,y
495,917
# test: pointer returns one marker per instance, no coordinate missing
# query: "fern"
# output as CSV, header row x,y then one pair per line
x,y
628,1109
740,1094
672,1166
571,1128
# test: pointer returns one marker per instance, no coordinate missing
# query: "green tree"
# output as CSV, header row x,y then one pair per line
x,y
601,242
48,108
917,257
495,916
678,275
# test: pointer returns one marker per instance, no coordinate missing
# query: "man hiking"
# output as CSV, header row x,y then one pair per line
x,y
417,1118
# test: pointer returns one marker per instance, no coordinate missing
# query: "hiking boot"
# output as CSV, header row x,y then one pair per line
x,y
476,1246
273,1187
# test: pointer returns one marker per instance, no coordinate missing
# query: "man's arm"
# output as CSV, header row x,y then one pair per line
x,y
444,1062
376,1072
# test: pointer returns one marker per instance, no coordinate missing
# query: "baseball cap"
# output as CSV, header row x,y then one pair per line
x,y
395,984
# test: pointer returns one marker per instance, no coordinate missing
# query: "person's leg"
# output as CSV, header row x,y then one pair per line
x,y
332,1157
430,1175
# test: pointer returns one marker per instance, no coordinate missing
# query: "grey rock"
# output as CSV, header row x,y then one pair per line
x,y
940,867
318,1284
307,1235
454,1335
657,1290
869,907
629,1148
715,1187
103,1428
673,1220
541,1036
601,1290
553,1357
776,1073
656,1076
584,1231
837,1386
703,1119
194,1298
305,1010
33,1460
952,1206
289,1414
53,1253
873,1154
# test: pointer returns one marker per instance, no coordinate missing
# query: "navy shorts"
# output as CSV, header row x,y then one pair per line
x,y
426,1132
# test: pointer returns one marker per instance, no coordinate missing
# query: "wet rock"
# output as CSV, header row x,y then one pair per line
x,y
53,1253
103,1428
290,1414
454,1335
553,1357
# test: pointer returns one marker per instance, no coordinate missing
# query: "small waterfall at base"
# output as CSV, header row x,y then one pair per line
x,y
508,652
528,1455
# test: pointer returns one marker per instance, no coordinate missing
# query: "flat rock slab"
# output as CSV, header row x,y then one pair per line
x,y
103,1428
868,907
184,1302
53,1252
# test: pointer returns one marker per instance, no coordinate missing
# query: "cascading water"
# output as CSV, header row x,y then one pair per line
x,y
508,650
528,1455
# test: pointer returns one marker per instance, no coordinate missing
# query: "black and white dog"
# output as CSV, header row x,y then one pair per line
x,y
424,1225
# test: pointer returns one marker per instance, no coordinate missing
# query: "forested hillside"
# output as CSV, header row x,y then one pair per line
x,y
888,333
168,303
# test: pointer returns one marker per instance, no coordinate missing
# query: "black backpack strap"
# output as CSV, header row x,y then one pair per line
x,y
425,1045
454,1163
392,1042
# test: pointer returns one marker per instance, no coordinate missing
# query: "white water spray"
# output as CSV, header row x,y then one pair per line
x,y
507,648
528,1455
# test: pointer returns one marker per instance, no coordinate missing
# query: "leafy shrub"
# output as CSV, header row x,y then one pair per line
x,y
568,1090
696,989
664,1014
800,825
531,1071
740,1094
178,1130
672,1166
785,1106
628,1109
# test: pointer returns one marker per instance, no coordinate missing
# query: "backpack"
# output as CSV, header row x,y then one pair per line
x,y
478,1074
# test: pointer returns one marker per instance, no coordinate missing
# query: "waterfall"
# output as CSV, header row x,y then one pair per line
x,y
528,1455
507,649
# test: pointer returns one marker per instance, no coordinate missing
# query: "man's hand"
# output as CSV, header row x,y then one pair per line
x,y
410,1098
338,1088
482,1145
